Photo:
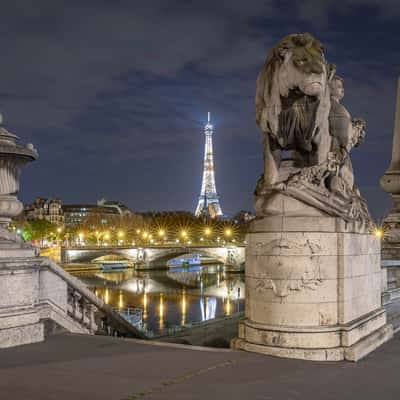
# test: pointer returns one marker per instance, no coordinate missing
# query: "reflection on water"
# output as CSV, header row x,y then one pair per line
x,y
174,297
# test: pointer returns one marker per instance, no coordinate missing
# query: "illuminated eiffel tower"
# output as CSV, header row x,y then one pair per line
x,y
208,204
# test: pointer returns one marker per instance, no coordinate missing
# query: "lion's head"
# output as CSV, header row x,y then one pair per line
x,y
295,68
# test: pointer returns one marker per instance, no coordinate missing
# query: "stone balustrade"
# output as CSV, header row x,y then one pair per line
x,y
38,298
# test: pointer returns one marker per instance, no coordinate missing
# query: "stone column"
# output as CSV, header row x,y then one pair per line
x,y
390,183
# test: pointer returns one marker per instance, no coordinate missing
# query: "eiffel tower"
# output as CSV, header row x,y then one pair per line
x,y
208,204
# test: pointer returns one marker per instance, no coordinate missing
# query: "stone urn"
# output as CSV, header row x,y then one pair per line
x,y
12,158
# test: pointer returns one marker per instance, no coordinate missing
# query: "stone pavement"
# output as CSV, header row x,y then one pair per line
x,y
96,367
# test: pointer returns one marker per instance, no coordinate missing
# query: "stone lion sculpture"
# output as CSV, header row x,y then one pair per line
x,y
298,109
292,105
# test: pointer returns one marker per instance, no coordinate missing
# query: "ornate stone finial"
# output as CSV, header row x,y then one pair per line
x,y
12,158
297,114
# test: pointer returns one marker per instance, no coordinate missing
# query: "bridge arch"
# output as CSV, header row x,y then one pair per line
x,y
154,256
88,255
162,259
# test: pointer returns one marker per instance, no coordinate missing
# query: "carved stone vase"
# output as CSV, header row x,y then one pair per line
x,y
12,158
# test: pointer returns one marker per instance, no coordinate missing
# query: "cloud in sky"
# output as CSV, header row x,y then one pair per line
x,y
114,94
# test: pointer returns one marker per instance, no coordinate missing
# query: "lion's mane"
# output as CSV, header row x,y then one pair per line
x,y
280,75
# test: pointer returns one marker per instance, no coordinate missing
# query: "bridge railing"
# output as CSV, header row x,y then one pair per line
x,y
82,304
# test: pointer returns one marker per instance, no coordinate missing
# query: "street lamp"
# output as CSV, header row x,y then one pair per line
x,y
58,235
97,233
207,233
121,234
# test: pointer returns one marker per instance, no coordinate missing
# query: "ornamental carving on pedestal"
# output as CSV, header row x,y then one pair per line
x,y
284,245
282,288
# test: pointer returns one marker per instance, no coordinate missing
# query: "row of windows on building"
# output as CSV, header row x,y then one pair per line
x,y
54,211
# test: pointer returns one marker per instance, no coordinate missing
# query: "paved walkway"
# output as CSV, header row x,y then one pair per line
x,y
95,367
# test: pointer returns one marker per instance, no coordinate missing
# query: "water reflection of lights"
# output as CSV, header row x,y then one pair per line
x,y
137,286
183,321
106,297
120,300
208,308
161,311
144,305
228,306
181,289
234,290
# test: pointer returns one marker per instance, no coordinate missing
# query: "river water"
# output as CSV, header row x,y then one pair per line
x,y
172,297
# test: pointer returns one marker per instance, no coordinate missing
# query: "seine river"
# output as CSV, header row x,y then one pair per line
x,y
170,298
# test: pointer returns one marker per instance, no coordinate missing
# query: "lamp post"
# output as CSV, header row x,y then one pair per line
x,y
161,234
184,235
121,235
58,236
207,233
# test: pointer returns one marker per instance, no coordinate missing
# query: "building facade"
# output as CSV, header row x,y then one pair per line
x,y
75,214
122,209
48,209
54,211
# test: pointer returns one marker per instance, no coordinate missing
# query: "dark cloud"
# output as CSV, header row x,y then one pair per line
x,y
114,94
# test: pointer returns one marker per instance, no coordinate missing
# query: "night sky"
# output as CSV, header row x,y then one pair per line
x,y
114,94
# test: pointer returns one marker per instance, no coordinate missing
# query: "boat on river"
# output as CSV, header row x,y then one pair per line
x,y
113,266
185,262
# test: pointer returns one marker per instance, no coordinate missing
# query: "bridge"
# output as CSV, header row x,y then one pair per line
x,y
154,256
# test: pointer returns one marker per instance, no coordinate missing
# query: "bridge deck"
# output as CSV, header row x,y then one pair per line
x,y
83,367
156,246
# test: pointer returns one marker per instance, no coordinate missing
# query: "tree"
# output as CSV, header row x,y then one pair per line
x,y
39,229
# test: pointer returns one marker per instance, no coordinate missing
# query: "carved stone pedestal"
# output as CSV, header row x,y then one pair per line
x,y
313,286
19,292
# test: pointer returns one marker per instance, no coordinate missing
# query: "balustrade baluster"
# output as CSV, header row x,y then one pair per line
x,y
92,324
76,305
